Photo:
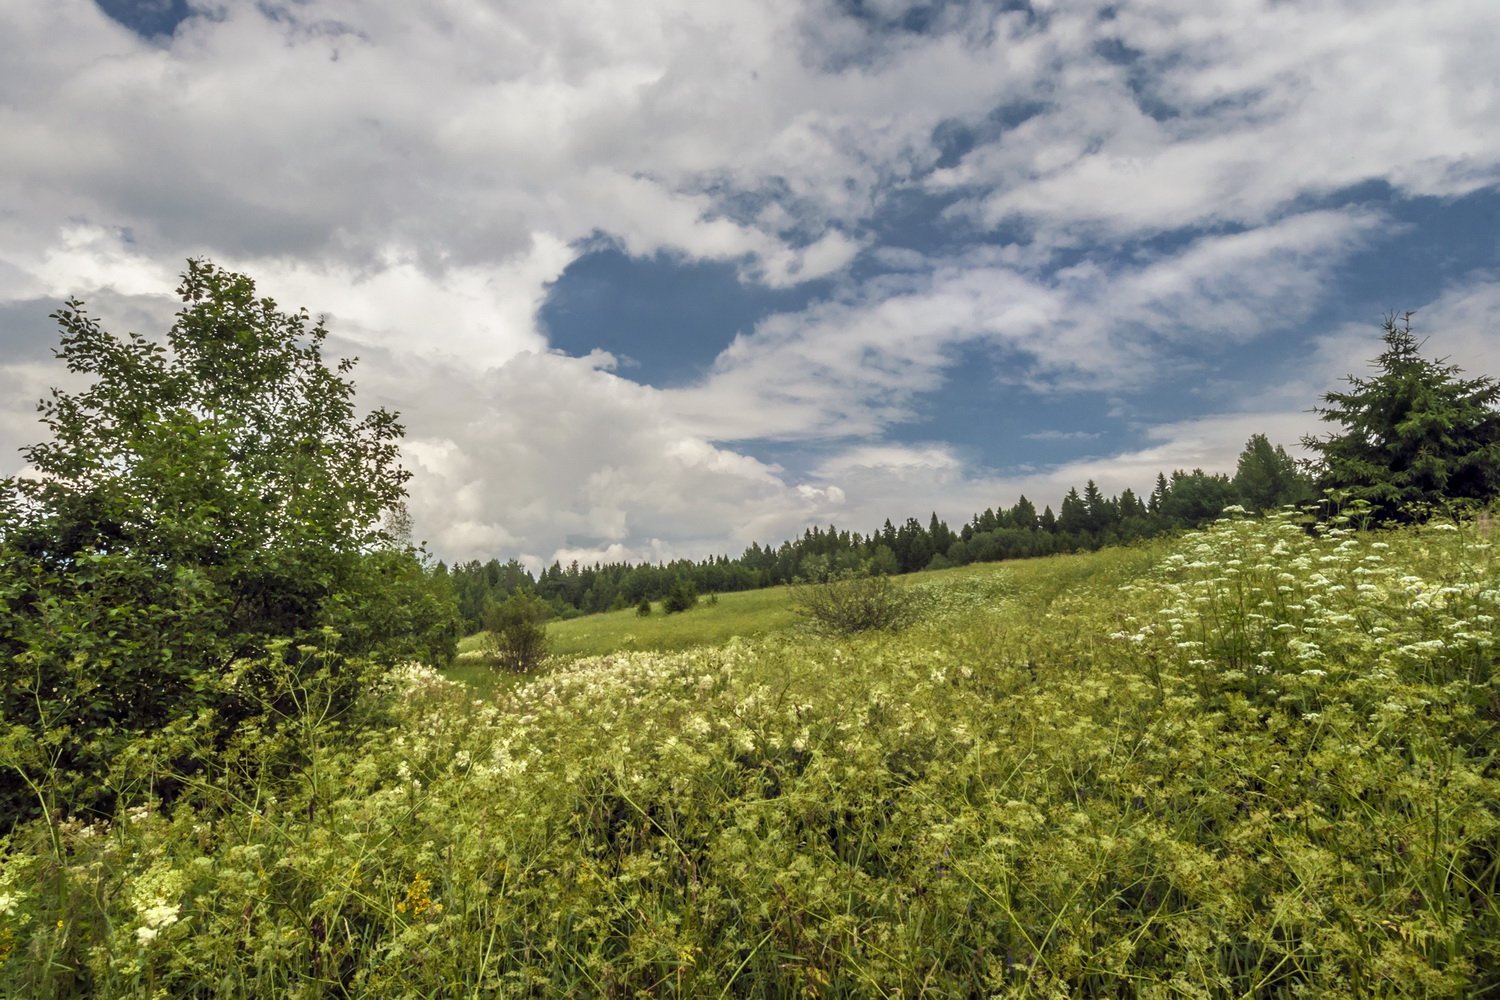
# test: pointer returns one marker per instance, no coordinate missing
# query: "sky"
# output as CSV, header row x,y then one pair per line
x,y
660,279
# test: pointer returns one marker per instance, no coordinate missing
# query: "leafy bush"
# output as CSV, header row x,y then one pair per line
x,y
643,609
851,604
517,631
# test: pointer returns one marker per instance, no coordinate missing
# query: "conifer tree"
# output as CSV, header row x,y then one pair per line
x,y
1023,514
1095,507
1414,434
1074,516
1048,521
1159,495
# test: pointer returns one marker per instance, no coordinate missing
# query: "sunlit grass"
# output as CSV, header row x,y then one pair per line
x,y
716,620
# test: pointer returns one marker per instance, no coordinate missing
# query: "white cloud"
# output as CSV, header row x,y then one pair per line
x,y
421,172
1235,113
854,366
557,457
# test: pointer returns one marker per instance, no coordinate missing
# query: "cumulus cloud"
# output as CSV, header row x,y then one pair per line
x,y
555,457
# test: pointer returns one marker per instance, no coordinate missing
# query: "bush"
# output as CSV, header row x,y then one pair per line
x,y
517,637
848,605
643,609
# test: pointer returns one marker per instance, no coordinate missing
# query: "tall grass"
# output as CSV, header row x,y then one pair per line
x,y
1259,762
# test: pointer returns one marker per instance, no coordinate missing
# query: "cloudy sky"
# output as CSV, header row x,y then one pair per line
x,y
665,277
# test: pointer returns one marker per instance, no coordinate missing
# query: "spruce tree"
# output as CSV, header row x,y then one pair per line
x,y
1024,514
1413,435
1074,516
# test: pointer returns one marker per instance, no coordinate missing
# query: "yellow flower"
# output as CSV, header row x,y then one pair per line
x,y
418,897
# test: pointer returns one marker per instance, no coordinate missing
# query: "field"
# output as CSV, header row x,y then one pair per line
x,y
1250,762
716,620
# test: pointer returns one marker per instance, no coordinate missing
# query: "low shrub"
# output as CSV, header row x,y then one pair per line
x,y
848,605
517,631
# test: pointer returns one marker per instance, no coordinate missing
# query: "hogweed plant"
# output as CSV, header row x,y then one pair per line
x,y
1258,761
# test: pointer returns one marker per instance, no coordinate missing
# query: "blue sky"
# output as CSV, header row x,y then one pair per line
x,y
664,278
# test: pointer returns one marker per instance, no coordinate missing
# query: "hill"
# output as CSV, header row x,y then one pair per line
x,y
1254,761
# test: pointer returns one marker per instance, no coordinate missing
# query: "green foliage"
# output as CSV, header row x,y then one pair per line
x,y
1267,477
1143,772
517,631
643,609
683,597
394,606
883,562
743,615
852,604
197,501
1415,435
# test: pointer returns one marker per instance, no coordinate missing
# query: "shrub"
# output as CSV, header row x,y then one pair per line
x,y
643,609
847,605
517,637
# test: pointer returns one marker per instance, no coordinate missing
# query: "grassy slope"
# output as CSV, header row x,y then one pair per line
x,y
1255,764
743,615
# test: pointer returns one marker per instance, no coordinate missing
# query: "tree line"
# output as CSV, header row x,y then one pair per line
x,y
1266,477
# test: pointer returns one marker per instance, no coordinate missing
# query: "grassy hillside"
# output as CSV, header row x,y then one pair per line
x,y
1251,763
742,615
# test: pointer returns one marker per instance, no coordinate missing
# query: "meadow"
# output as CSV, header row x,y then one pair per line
x,y
1254,761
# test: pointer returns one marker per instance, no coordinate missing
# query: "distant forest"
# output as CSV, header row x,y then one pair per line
x,y
1265,478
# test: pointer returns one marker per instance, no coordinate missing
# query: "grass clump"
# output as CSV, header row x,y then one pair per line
x,y
1151,772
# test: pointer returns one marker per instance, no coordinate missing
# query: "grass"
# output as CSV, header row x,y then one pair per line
x,y
741,615
1250,763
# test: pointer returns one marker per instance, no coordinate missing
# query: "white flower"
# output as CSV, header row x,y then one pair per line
x,y
160,916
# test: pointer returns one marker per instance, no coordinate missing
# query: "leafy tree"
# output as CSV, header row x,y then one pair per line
x,y
1266,477
1414,434
1196,497
883,561
517,631
197,502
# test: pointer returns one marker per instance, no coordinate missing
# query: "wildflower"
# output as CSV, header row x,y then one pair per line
x,y
155,918
418,901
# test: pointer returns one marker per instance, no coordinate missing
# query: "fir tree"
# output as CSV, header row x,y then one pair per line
x,y
1414,434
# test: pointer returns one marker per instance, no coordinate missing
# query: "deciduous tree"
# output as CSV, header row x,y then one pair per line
x,y
198,501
